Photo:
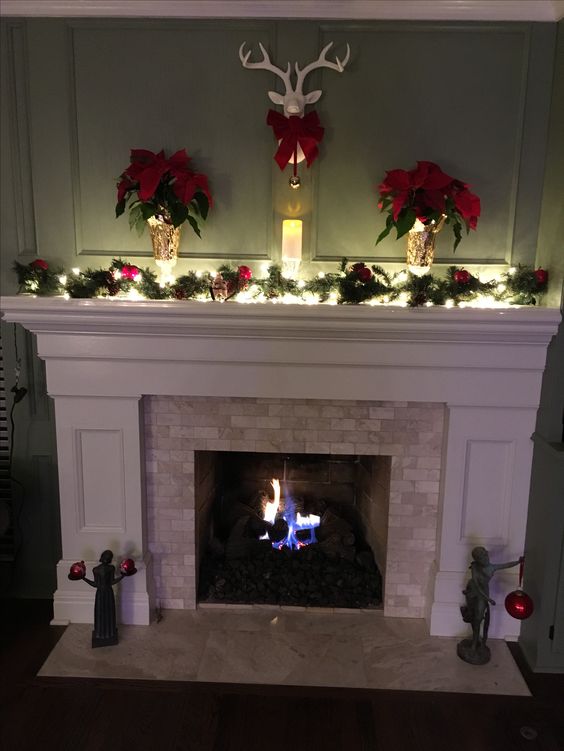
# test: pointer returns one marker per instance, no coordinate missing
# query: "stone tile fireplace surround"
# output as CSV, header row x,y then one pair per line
x,y
410,433
231,373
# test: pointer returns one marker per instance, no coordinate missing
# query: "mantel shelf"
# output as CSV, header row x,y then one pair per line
x,y
534,325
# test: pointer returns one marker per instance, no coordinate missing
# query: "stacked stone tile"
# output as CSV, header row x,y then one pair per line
x,y
410,433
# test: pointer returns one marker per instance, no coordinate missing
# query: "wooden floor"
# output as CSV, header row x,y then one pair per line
x,y
40,714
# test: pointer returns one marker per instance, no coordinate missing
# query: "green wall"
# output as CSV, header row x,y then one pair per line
x,y
77,95
473,97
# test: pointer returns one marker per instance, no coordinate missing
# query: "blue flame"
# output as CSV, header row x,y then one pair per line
x,y
296,522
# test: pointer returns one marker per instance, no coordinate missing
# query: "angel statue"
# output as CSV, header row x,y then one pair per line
x,y
477,608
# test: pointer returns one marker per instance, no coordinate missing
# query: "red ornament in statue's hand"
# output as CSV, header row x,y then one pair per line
x,y
41,265
461,276
245,273
519,605
127,567
541,276
77,571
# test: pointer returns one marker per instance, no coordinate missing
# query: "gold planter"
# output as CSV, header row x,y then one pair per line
x,y
166,239
421,241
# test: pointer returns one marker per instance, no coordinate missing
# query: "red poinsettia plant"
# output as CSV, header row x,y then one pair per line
x,y
428,195
168,189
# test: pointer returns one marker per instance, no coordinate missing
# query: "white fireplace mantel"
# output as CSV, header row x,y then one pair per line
x,y
102,356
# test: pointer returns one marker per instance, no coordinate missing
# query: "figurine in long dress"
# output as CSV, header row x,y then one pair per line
x,y
105,631
477,608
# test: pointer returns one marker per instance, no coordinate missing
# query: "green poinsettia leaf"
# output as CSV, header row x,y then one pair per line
x,y
135,214
147,210
120,207
405,222
194,224
457,229
202,204
386,231
140,225
178,213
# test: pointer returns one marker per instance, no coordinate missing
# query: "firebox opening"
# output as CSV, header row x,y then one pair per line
x,y
291,529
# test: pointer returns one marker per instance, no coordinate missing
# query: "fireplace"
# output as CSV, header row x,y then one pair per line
x,y
447,397
386,456
286,529
289,529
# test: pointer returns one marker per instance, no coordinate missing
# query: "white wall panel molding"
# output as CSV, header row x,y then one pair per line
x,y
485,487
459,10
20,156
101,486
100,454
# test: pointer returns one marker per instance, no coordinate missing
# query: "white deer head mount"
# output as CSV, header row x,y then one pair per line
x,y
294,100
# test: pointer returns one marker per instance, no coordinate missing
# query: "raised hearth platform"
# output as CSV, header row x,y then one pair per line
x,y
279,647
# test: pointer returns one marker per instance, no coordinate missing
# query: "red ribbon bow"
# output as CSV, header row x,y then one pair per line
x,y
295,131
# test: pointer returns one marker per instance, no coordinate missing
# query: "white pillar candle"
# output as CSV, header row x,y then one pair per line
x,y
292,239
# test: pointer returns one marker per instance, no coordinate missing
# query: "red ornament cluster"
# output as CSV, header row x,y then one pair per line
x,y
77,571
541,276
129,272
519,605
39,265
461,276
362,271
127,567
244,273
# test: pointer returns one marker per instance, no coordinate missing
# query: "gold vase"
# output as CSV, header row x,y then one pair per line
x,y
166,239
421,240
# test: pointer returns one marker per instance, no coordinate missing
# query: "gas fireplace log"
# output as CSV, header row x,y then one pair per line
x,y
279,530
232,511
244,547
330,525
339,546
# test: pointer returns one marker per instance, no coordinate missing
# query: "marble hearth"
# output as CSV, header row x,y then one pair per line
x,y
112,364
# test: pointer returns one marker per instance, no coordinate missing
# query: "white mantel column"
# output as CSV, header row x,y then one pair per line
x,y
486,477
101,485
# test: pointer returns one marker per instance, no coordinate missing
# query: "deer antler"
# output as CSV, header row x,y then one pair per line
x,y
321,62
265,64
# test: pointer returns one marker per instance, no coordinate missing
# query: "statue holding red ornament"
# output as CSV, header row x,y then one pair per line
x,y
105,633
476,611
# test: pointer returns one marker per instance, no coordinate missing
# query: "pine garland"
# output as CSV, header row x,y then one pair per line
x,y
351,285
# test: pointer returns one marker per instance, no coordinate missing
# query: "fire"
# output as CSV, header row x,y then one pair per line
x,y
295,521
271,508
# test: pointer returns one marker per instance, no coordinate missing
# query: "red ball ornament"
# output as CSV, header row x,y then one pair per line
x,y
127,567
357,267
77,571
519,605
39,265
364,274
461,276
541,276
129,272
245,273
